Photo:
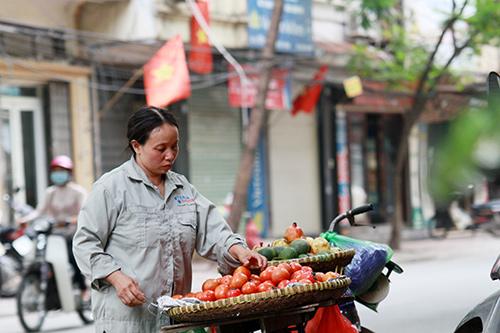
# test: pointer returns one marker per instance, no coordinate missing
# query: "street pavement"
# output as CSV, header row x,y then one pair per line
x,y
443,279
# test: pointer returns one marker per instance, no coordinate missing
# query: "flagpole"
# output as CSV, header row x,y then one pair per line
x,y
229,58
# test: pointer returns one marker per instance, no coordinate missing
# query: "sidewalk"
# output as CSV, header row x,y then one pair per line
x,y
417,246
381,233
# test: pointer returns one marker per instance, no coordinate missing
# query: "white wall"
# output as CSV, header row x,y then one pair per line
x,y
293,167
129,20
48,14
155,19
327,22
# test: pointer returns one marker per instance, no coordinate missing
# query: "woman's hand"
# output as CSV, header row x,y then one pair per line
x,y
127,289
248,258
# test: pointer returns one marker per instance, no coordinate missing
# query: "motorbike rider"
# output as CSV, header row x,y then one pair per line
x,y
62,202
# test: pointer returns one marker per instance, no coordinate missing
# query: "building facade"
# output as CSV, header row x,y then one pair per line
x,y
62,62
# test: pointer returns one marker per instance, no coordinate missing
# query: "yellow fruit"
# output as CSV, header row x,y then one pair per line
x,y
279,242
320,244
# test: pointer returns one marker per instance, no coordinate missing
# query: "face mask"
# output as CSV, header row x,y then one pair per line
x,y
59,177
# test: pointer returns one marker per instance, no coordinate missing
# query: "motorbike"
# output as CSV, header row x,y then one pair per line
x,y
47,281
487,216
485,317
458,216
11,260
379,289
14,245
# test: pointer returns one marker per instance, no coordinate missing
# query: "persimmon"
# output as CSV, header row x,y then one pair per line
x,y
226,279
266,274
265,286
242,269
279,274
210,284
221,291
283,284
233,292
249,288
238,280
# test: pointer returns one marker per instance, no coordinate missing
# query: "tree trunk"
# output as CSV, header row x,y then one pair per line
x,y
256,121
397,219
409,120
426,86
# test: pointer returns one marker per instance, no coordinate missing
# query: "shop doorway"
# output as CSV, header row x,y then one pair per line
x,y
22,151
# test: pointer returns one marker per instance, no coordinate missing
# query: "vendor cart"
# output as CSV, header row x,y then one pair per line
x,y
291,320
277,310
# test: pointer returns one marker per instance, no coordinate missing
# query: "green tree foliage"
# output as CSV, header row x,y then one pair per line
x,y
409,65
471,150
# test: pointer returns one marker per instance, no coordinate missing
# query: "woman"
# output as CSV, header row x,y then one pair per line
x,y
62,203
63,200
140,225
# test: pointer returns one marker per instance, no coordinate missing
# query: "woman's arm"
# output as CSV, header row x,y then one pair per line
x,y
41,209
215,240
248,257
95,222
127,289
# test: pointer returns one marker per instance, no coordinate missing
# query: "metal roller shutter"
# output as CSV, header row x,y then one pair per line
x,y
214,133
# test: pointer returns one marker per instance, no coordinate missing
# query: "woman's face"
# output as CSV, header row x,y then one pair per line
x,y
159,152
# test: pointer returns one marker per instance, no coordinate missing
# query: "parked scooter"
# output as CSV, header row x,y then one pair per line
x,y
14,245
379,289
47,282
485,317
460,214
11,261
487,216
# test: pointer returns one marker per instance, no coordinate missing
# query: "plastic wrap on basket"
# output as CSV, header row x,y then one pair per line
x,y
367,263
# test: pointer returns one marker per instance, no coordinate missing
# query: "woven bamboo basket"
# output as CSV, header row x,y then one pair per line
x,y
334,261
270,301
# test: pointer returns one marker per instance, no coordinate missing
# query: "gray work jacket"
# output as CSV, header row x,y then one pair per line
x,y
126,224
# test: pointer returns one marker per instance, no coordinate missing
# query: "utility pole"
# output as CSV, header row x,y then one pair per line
x,y
257,117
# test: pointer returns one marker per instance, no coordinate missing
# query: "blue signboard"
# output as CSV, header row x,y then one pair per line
x,y
295,31
257,204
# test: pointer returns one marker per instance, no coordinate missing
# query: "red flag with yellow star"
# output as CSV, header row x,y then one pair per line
x,y
308,99
200,55
166,77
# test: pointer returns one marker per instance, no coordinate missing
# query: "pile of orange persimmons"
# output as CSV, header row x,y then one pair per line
x,y
242,281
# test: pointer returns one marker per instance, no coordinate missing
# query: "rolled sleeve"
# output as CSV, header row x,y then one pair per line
x,y
95,222
228,262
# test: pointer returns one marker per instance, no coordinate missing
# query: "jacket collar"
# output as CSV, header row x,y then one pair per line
x,y
135,172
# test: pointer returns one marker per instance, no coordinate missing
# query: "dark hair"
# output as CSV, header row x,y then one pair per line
x,y
144,121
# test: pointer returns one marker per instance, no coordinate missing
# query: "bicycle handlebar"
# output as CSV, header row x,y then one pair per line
x,y
361,209
350,216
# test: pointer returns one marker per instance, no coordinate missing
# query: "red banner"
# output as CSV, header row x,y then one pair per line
x,y
278,95
200,54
